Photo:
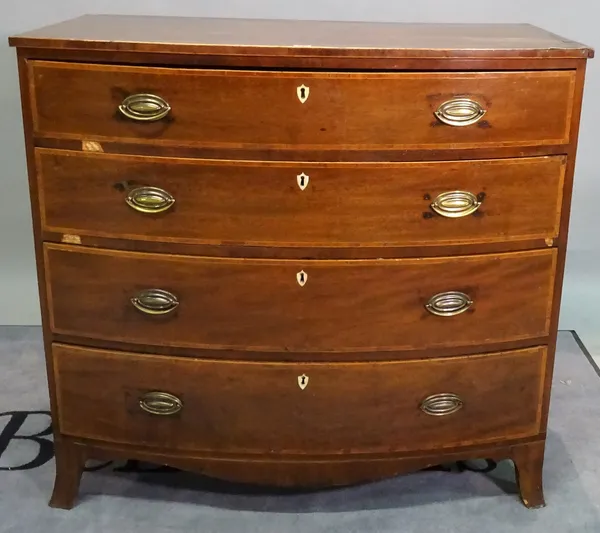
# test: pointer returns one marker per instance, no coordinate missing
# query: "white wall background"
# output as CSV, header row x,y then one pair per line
x,y
575,19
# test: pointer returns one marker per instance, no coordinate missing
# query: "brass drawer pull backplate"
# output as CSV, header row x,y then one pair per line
x,y
149,200
441,404
450,303
455,204
144,107
460,112
160,403
155,302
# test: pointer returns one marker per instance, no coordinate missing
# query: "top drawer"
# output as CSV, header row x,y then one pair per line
x,y
303,110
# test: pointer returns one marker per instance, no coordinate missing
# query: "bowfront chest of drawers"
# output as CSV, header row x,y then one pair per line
x,y
299,253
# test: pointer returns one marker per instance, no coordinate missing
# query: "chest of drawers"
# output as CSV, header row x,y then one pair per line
x,y
299,253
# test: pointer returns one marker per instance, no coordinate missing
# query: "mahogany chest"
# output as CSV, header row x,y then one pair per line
x,y
299,253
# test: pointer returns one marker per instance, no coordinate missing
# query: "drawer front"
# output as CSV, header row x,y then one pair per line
x,y
249,407
328,204
244,109
299,305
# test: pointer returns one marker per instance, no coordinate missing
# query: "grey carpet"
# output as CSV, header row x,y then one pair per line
x,y
455,500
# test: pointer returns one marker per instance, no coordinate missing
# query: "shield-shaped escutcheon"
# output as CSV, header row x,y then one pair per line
x,y
302,278
303,91
302,180
303,381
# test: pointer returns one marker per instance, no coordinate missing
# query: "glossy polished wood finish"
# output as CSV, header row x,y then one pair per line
x,y
224,410
351,357
353,111
255,37
309,62
341,205
247,304
529,463
330,154
308,472
70,462
241,226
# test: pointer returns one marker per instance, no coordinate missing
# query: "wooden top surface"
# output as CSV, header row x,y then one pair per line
x,y
187,35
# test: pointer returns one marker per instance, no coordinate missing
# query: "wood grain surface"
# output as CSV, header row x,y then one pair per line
x,y
360,111
261,203
305,61
306,471
201,36
259,305
242,407
230,151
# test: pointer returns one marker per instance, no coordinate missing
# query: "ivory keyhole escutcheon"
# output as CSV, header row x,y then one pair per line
x,y
302,278
303,180
303,381
303,91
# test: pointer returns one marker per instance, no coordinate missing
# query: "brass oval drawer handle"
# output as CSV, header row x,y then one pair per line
x,y
160,403
460,112
144,107
155,302
455,204
450,303
149,199
441,404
